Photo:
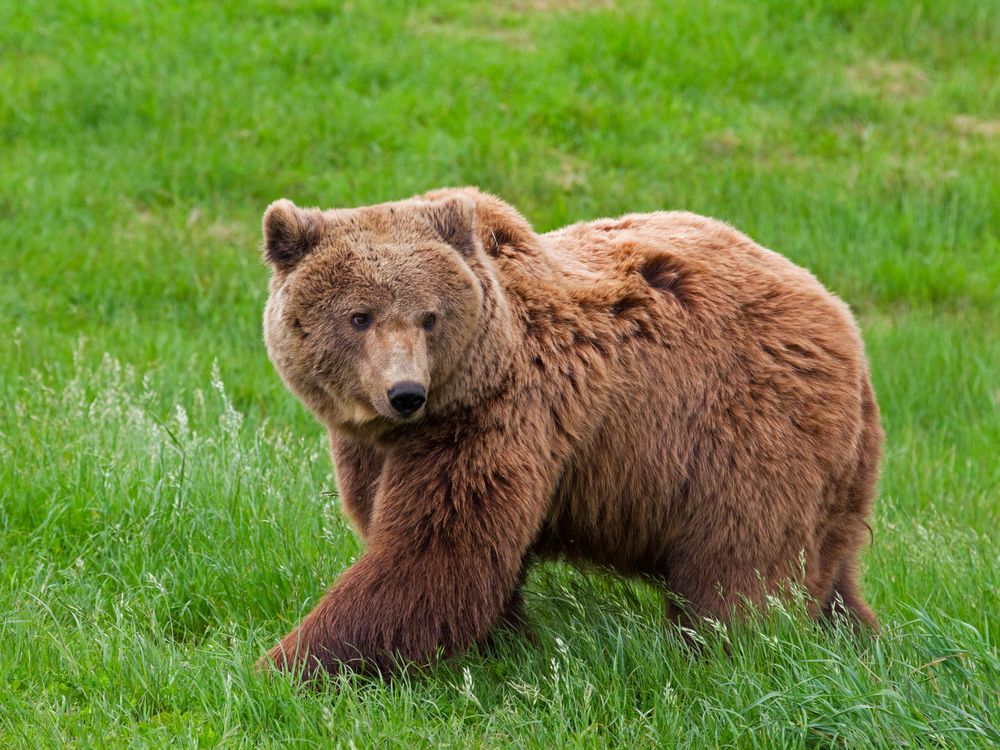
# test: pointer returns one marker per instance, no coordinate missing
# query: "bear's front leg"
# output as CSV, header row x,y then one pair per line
x,y
358,469
444,556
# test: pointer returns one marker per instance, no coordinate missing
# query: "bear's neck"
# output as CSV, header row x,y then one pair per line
x,y
484,369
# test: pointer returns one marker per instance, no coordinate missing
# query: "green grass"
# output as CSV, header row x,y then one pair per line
x,y
158,529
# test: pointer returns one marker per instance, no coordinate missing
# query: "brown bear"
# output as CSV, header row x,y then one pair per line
x,y
656,394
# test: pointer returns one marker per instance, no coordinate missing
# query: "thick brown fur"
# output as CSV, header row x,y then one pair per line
x,y
655,393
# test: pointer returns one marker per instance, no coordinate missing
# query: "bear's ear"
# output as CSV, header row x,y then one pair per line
x,y
290,233
454,220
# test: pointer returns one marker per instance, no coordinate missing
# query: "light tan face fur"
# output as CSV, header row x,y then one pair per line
x,y
363,301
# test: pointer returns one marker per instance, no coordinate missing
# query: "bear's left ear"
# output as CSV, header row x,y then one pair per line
x,y
290,233
454,220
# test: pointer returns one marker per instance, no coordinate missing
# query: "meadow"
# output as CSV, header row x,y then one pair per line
x,y
167,509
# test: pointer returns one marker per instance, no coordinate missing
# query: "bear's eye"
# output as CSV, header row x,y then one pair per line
x,y
361,321
430,320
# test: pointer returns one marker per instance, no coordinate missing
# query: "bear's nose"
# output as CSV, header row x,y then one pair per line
x,y
407,397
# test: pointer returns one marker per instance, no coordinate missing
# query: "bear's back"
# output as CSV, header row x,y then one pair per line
x,y
610,247
721,270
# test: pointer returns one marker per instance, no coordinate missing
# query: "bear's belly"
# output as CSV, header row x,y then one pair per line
x,y
614,513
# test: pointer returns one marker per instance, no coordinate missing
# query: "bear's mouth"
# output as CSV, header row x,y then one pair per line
x,y
394,417
359,412
351,409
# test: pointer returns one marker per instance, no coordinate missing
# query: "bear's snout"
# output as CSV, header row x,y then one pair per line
x,y
406,397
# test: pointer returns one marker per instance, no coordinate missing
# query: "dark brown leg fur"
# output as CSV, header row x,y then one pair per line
x,y
846,592
443,561
513,620
846,600
358,470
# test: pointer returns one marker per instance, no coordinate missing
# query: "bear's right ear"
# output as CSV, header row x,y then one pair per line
x,y
290,233
454,220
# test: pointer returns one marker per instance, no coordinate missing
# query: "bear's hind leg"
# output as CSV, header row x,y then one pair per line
x,y
852,528
845,598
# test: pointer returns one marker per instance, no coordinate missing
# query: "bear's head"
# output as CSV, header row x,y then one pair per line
x,y
371,309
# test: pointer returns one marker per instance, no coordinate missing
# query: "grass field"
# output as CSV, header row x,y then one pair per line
x,y
167,509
